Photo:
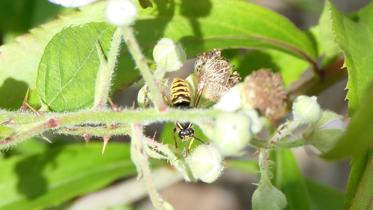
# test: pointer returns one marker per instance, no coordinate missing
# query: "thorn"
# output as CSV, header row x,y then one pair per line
x,y
87,137
133,105
154,135
106,141
46,139
114,107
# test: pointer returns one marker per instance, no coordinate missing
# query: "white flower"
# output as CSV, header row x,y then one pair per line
x,y
231,133
306,110
231,100
121,12
72,3
206,163
168,55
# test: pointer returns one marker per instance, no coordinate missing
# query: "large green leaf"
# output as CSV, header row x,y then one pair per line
x,y
203,25
19,60
68,68
354,36
290,181
46,179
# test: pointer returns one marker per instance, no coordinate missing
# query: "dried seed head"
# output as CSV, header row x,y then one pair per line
x,y
265,91
215,74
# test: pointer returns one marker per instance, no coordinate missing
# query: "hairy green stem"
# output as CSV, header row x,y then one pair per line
x,y
134,48
106,70
141,160
27,125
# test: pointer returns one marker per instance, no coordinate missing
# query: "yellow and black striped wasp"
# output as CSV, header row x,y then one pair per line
x,y
181,97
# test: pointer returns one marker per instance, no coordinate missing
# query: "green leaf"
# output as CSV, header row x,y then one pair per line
x,y
323,197
43,180
223,24
68,68
289,180
19,60
325,38
354,37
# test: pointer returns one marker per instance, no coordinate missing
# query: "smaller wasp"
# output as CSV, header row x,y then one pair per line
x,y
180,97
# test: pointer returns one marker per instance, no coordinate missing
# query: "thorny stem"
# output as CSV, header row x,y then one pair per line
x,y
26,125
134,48
143,163
106,70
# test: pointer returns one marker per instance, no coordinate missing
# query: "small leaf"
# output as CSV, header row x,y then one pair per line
x,y
68,68
325,38
289,180
59,174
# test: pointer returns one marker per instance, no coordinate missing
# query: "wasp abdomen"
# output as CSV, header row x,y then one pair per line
x,y
180,93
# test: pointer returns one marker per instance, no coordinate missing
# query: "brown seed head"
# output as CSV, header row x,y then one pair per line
x,y
216,75
265,91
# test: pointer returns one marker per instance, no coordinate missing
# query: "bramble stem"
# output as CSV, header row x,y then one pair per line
x,y
134,48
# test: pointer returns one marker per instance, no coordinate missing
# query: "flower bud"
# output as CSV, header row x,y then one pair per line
x,y
306,110
231,100
268,197
206,163
72,3
231,133
121,12
142,97
168,55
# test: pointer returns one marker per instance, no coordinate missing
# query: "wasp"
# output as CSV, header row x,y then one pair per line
x,y
181,97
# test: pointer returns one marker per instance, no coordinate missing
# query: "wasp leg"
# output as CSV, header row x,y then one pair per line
x,y
175,137
189,147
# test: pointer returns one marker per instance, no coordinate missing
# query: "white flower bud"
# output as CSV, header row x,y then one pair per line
x,y
306,110
72,3
206,163
142,97
121,12
268,197
168,55
231,100
231,133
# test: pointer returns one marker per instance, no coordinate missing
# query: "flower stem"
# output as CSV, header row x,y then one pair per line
x,y
134,48
106,71
141,160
